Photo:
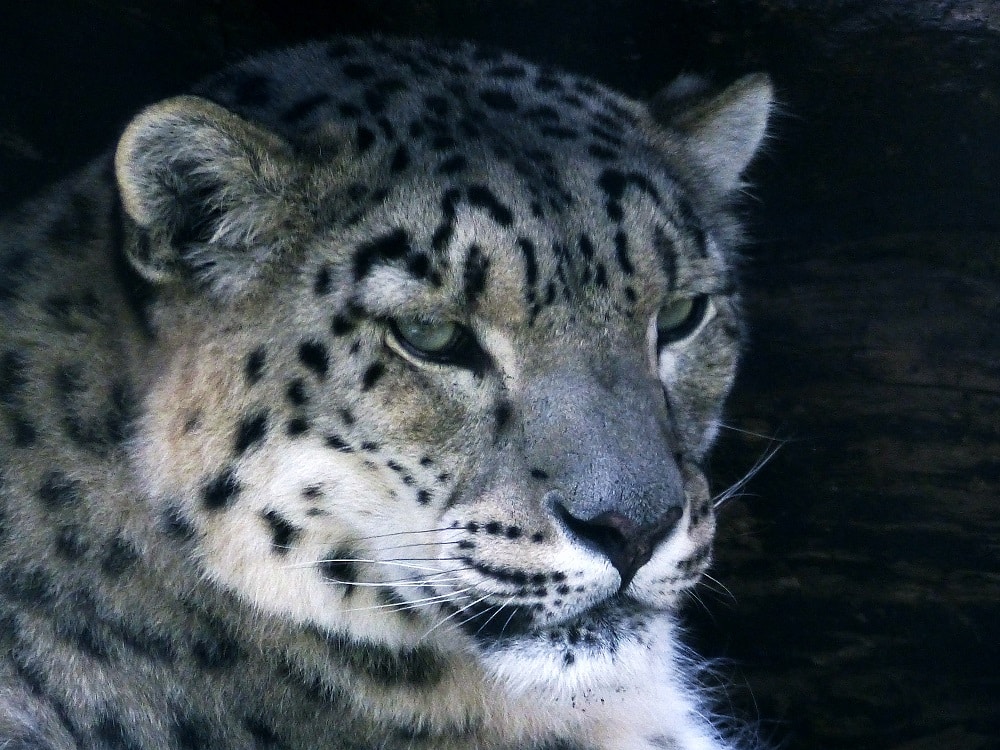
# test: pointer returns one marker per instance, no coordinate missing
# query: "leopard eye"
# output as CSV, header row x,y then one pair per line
x,y
679,318
429,339
427,336
438,342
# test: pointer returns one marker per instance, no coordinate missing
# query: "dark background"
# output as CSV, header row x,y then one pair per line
x,y
858,603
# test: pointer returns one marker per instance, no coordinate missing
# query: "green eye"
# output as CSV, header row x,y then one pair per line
x,y
428,338
680,318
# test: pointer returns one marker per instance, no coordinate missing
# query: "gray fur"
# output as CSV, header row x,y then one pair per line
x,y
238,509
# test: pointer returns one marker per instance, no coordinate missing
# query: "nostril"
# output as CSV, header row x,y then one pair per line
x,y
609,532
627,544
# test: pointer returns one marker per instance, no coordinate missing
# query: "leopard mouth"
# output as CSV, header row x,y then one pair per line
x,y
598,626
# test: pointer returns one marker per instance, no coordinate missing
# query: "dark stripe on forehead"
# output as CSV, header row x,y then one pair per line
x,y
614,183
385,249
474,277
481,197
689,222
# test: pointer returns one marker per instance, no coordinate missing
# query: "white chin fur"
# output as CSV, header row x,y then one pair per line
x,y
559,671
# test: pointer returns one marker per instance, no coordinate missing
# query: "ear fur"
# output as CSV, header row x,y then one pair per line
x,y
722,132
208,191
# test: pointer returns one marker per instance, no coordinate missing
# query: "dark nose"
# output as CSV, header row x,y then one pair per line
x,y
627,544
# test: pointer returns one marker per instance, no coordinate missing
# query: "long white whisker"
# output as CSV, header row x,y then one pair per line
x,y
723,497
398,584
499,609
402,533
400,606
744,431
419,544
511,617
720,586
455,614
365,560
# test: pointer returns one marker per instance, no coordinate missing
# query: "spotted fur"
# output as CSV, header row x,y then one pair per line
x,y
241,508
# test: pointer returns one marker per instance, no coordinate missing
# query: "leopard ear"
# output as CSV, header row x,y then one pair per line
x,y
208,191
721,132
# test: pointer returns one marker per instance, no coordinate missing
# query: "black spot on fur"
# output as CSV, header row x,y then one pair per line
x,y
262,734
502,413
424,497
338,443
71,543
621,252
547,83
492,528
453,164
386,666
539,474
110,733
364,138
347,416
600,152
12,377
482,197
400,160
387,248
437,104
250,431
474,276
558,132
30,586
254,368
296,426
304,107
214,649
283,533
192,734
372,375
176,526
509,71
296,392
321,285
340,568
359,71
221,490
118,557
24,433
313,355
342,325
418,264
59,491
498,99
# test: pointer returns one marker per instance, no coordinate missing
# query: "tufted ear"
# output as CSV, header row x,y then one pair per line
x,y
209,191
722,131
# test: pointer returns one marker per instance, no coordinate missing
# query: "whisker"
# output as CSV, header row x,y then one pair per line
x,y
513,612
406,563
402,533
420,544
719,587
398,584
455,614
728,494
499,609
400,606
751,433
